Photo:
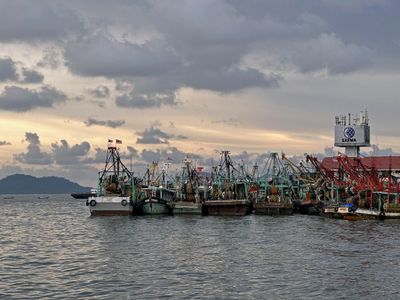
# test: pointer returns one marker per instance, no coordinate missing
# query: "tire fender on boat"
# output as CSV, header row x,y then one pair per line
x,y
87,202
124,202
93,203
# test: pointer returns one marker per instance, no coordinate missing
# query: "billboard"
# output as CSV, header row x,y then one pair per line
x,y
352,135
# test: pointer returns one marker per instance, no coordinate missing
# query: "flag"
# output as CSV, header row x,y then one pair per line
x,y
118,141
110,144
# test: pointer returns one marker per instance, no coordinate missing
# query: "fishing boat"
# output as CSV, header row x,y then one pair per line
x,y
116,186
228,195
312,185
362,192
93,192
381,205
157,200
274,204
275,193
157,194
190,193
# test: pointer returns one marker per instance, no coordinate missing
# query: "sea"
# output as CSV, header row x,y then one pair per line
x,y
53,249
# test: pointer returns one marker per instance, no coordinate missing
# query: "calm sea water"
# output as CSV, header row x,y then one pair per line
x,y
52,248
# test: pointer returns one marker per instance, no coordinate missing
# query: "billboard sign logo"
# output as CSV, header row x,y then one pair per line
x,y
349,134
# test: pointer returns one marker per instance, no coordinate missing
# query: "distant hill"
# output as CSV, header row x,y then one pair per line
x,y
26,184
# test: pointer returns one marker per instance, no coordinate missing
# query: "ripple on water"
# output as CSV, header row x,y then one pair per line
x,y
52,248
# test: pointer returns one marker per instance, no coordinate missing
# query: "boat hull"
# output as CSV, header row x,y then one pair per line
x,y
187,208
82,195
307,207
110,206
359,214
227,208
154,207
273,209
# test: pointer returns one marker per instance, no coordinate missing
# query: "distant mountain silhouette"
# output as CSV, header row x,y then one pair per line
x,y
26,184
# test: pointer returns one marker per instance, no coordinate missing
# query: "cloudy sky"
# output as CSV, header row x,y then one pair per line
x,y
177,77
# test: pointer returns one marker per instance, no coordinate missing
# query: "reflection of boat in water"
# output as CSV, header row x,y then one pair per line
x,y
8,197
115,186
93,192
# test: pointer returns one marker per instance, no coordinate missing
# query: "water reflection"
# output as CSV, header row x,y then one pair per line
x,y
53,248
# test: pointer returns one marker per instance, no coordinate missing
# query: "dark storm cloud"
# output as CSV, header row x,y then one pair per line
x,y
203,45
115,59
64,154
159,47
8,70
325,53
354,6
15,98
11,70
99,157
31,76
34,155
198,45
155,135
36,20
4,143
107,123
223,46
143,101
100,91
229,79
131,154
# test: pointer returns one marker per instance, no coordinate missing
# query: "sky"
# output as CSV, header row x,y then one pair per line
x,y
175,78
